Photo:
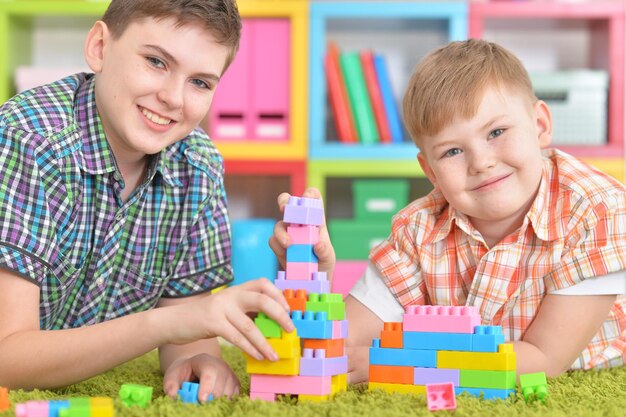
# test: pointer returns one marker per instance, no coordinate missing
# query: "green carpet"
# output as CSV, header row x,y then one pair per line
x,y
593,393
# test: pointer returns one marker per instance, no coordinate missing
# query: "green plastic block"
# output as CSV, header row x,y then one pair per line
x,y
379,200
267,326
534,385
353,240
331,304
78,407
135,394
487,379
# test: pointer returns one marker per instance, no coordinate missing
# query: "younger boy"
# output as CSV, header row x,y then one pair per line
x,y
537,242
113,204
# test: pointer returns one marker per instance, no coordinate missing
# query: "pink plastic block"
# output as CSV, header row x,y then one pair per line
x,y
440,396
265,396
285,384
426,376
303,235
319,284
270,98
230,115
315,363
441,319
301,270
305,211
340,329
32,409
346,274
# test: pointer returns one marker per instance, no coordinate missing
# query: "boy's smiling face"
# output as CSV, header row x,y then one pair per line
x,y
489,167
154,83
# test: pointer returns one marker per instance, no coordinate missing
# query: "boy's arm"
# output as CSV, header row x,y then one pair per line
x,y
562,328
363,327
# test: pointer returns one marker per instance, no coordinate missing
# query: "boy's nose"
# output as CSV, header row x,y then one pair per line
x,y
481,160
171,93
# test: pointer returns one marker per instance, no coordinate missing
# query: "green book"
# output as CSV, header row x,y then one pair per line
x,y
359,98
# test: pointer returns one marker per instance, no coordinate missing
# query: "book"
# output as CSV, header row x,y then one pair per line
x,y
359,100
373,89
338,96
395,124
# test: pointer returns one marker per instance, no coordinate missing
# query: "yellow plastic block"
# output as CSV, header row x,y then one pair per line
x,y
338,383
288,346
503,360
290,366
101,407
402,388
313,398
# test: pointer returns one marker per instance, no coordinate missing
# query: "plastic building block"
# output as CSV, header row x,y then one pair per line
x,y
402,357
135,394
536,384
267,326
32,409
312,325
441,319
391,335
296,299
188,393
487,338
340,329
315,363
437,341
285,384
486,393
440,396
503,360
318,283
487,379
303,235
100,407
425,376
391,374
346,274
301,270
78,407
4,399
289,366
338,383
305,211
55,407
287,346
401,388
332,304
333,347
301,253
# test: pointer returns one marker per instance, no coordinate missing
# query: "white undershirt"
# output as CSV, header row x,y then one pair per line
x,y
372,292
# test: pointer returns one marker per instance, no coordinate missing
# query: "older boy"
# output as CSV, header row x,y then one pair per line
x,y
113,204
537,242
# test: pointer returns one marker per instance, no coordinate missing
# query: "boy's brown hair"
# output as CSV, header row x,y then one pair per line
x,y
450,82
220,17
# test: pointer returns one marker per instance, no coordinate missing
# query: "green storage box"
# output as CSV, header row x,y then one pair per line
x,y
379,200
353,239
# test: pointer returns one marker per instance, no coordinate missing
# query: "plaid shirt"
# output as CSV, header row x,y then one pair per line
x,y
575,229
64,226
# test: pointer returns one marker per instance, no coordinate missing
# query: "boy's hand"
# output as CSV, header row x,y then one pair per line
x,y
213,374
358,364
324,250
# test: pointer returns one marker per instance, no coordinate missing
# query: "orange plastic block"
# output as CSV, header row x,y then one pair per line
x,y
392,374
391,335
334,347
4,399
296,299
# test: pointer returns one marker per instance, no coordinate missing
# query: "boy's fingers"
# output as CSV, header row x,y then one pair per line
x,y
210,383
281,234
248,332
279,251
282,199
232,334
263,287
312,192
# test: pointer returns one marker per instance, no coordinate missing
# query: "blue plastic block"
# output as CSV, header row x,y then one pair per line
x,y
488,393
55,406
312,325
189,393
402,357
437,341
487,338
301,253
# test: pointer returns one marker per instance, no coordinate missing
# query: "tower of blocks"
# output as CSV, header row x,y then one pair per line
x,y
442,344
312,361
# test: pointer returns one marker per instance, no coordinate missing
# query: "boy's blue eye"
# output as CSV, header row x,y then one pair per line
x,y
201,84
496,132
452,152
155,62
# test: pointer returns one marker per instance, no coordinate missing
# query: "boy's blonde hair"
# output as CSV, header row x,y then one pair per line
x,y
450,82
220,17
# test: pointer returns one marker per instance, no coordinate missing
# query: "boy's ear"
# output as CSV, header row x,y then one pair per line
x,y
421,158
543,119
95,43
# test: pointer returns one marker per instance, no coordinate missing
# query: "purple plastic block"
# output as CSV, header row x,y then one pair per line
x,y
340,329
319,284
315,363
32,409
305,211
425,376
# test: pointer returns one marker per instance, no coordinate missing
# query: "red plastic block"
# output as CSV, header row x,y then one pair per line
x,y
440,396
442,319
296,299
391,335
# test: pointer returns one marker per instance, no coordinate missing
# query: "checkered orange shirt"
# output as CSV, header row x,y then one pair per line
x,y
575,229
